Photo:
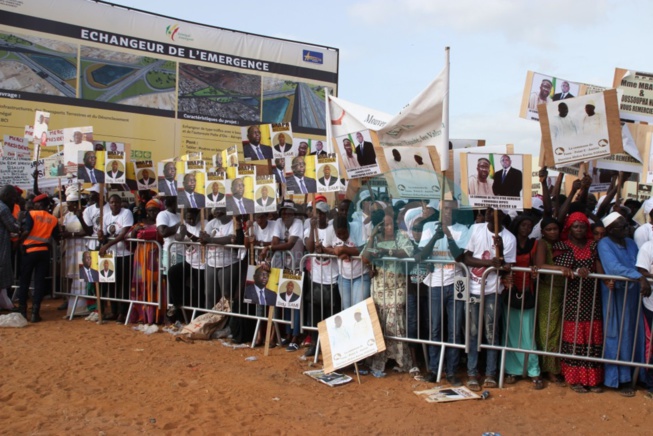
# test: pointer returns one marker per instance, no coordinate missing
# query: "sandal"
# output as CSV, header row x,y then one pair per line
x,y
579,389
596,390
472,383
538,384
510,379
414,371
292,347
490,382
627,391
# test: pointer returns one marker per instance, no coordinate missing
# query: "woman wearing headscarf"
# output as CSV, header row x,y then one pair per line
x,y
520,315
145,276
582,326
622,321
549,300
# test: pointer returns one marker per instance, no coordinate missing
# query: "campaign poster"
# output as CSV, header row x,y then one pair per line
x,y
192,194
169,177
410,171
357,153
215,189
496,180
16,147
328,175
145,175
636,98
261,285
282,140
40,128
290,290
580,129
114,166
265,194
90,167
302,180
107,267
76,139
240,195
53,166
350,336
256,142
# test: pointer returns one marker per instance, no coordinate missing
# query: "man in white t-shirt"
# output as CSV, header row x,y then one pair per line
x,y
644,233
167,224
191,270
287,243
115,226
484,251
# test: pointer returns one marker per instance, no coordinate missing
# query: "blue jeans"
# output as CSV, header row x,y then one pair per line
x,y
442,297
417,315
490,325
353,291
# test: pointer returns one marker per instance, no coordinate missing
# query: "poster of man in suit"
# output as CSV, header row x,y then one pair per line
x,y
257,286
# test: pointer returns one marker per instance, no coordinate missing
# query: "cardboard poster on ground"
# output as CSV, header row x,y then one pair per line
x,y
350,336
282,140
262,285
333,379
256,142
215,188
447,394
328,175
16,147
543,89
240,195
358,155
290,290
302,180
496,180
145,175
114,167
192,194
411,171
580,129
265,194
636,99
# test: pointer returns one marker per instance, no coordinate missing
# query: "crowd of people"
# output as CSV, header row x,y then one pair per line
x,y
532,275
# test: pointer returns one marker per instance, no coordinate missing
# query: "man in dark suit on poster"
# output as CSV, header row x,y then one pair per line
x,y
87,273
508,181
236,203
254,149
364,151
564,94
168,185
297,183
88,173
257,292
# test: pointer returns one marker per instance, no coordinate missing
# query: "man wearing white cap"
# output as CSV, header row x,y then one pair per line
x,y
625,333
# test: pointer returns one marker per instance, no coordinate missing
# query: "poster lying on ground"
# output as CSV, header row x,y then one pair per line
x,y
350,336
447,394
580,129
333,379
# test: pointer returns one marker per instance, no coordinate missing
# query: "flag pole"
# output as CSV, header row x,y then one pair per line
x,y
444,152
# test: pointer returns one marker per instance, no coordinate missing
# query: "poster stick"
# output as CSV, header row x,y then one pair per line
x,y
202,249
250,234
61,203
358,376
268,331
98,303
101,205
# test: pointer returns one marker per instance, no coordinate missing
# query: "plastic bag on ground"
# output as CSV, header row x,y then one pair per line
x,y
13,320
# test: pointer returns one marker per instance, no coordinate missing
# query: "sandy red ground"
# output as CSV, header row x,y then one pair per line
x,y
82,378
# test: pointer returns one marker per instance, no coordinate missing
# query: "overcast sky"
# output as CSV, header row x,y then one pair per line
x,y
390,50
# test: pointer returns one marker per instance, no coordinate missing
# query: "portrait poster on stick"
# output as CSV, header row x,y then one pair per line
x,y
169,178
145,175
302,180
455,169
328,177
115,166
350,336
53,166
496,180
265,193
40,128
240,195
107,267
357,153
290,290
192,195
636,100
90,162
282,138
543,89
580,129
256,142
76,139
215,189
262,285
410,171
633,137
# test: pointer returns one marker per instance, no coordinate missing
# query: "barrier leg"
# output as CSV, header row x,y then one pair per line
x,y
129,312
317,350
441,364
258,325
72,314
502,367
425,351
98,303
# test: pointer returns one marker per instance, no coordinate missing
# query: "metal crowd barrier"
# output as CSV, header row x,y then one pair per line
x,y
144,291
558,353
198,289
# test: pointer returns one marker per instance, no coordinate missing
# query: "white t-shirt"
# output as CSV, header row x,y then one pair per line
x,y
283,233
266,234
217,255
352,268
482,247
645,261
113,225
324,270
193,253
643,234
443,273
91,217
168,219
